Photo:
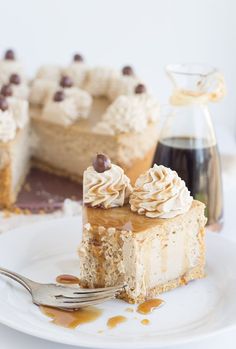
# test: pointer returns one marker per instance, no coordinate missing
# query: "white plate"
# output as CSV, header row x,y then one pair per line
x,y
44,250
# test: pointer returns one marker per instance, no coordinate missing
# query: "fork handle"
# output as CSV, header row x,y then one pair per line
x,y
28,284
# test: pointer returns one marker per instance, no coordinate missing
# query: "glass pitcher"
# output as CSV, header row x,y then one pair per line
x,y
187,142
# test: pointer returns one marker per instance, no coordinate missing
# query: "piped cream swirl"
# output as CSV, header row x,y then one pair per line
x,y
8,67
160,193
77,72
97,81
75,106
122,85
108,189
129,114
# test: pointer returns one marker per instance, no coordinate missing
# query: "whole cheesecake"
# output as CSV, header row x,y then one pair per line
x,y
69,150
75,111
115,114
150,237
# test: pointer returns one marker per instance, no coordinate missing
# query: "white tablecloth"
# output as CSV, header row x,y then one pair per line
x,y
11,339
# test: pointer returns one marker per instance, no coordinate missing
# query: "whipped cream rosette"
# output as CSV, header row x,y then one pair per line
x,y
160,193
10,65
13,115
20,91
77,71
129,114
41,89
150,105
67,106
19,86
105,185
15,88
122,85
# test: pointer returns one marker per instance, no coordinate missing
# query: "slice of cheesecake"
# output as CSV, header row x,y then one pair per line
x,y
149,255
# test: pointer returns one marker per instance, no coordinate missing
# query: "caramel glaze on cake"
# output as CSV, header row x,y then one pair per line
x,y
118,244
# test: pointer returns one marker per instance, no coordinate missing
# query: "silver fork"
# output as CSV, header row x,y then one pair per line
x,y
64,297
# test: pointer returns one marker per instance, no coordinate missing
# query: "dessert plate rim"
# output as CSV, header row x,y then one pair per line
x,y
66,336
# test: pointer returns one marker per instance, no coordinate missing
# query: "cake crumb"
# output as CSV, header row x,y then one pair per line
x,y
145,322
129,310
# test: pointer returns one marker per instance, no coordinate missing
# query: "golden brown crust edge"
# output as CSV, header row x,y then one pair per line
x,y
6,196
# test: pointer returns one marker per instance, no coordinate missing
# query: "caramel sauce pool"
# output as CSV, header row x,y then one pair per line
x,y
67,279
115,320
71,319
148,306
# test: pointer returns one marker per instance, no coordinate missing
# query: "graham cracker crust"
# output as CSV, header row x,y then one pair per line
x,y
6,198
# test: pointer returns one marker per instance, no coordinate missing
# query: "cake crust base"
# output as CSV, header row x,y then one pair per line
x,y
6,198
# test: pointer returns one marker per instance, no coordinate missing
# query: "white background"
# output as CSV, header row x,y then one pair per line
x,y
145,33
